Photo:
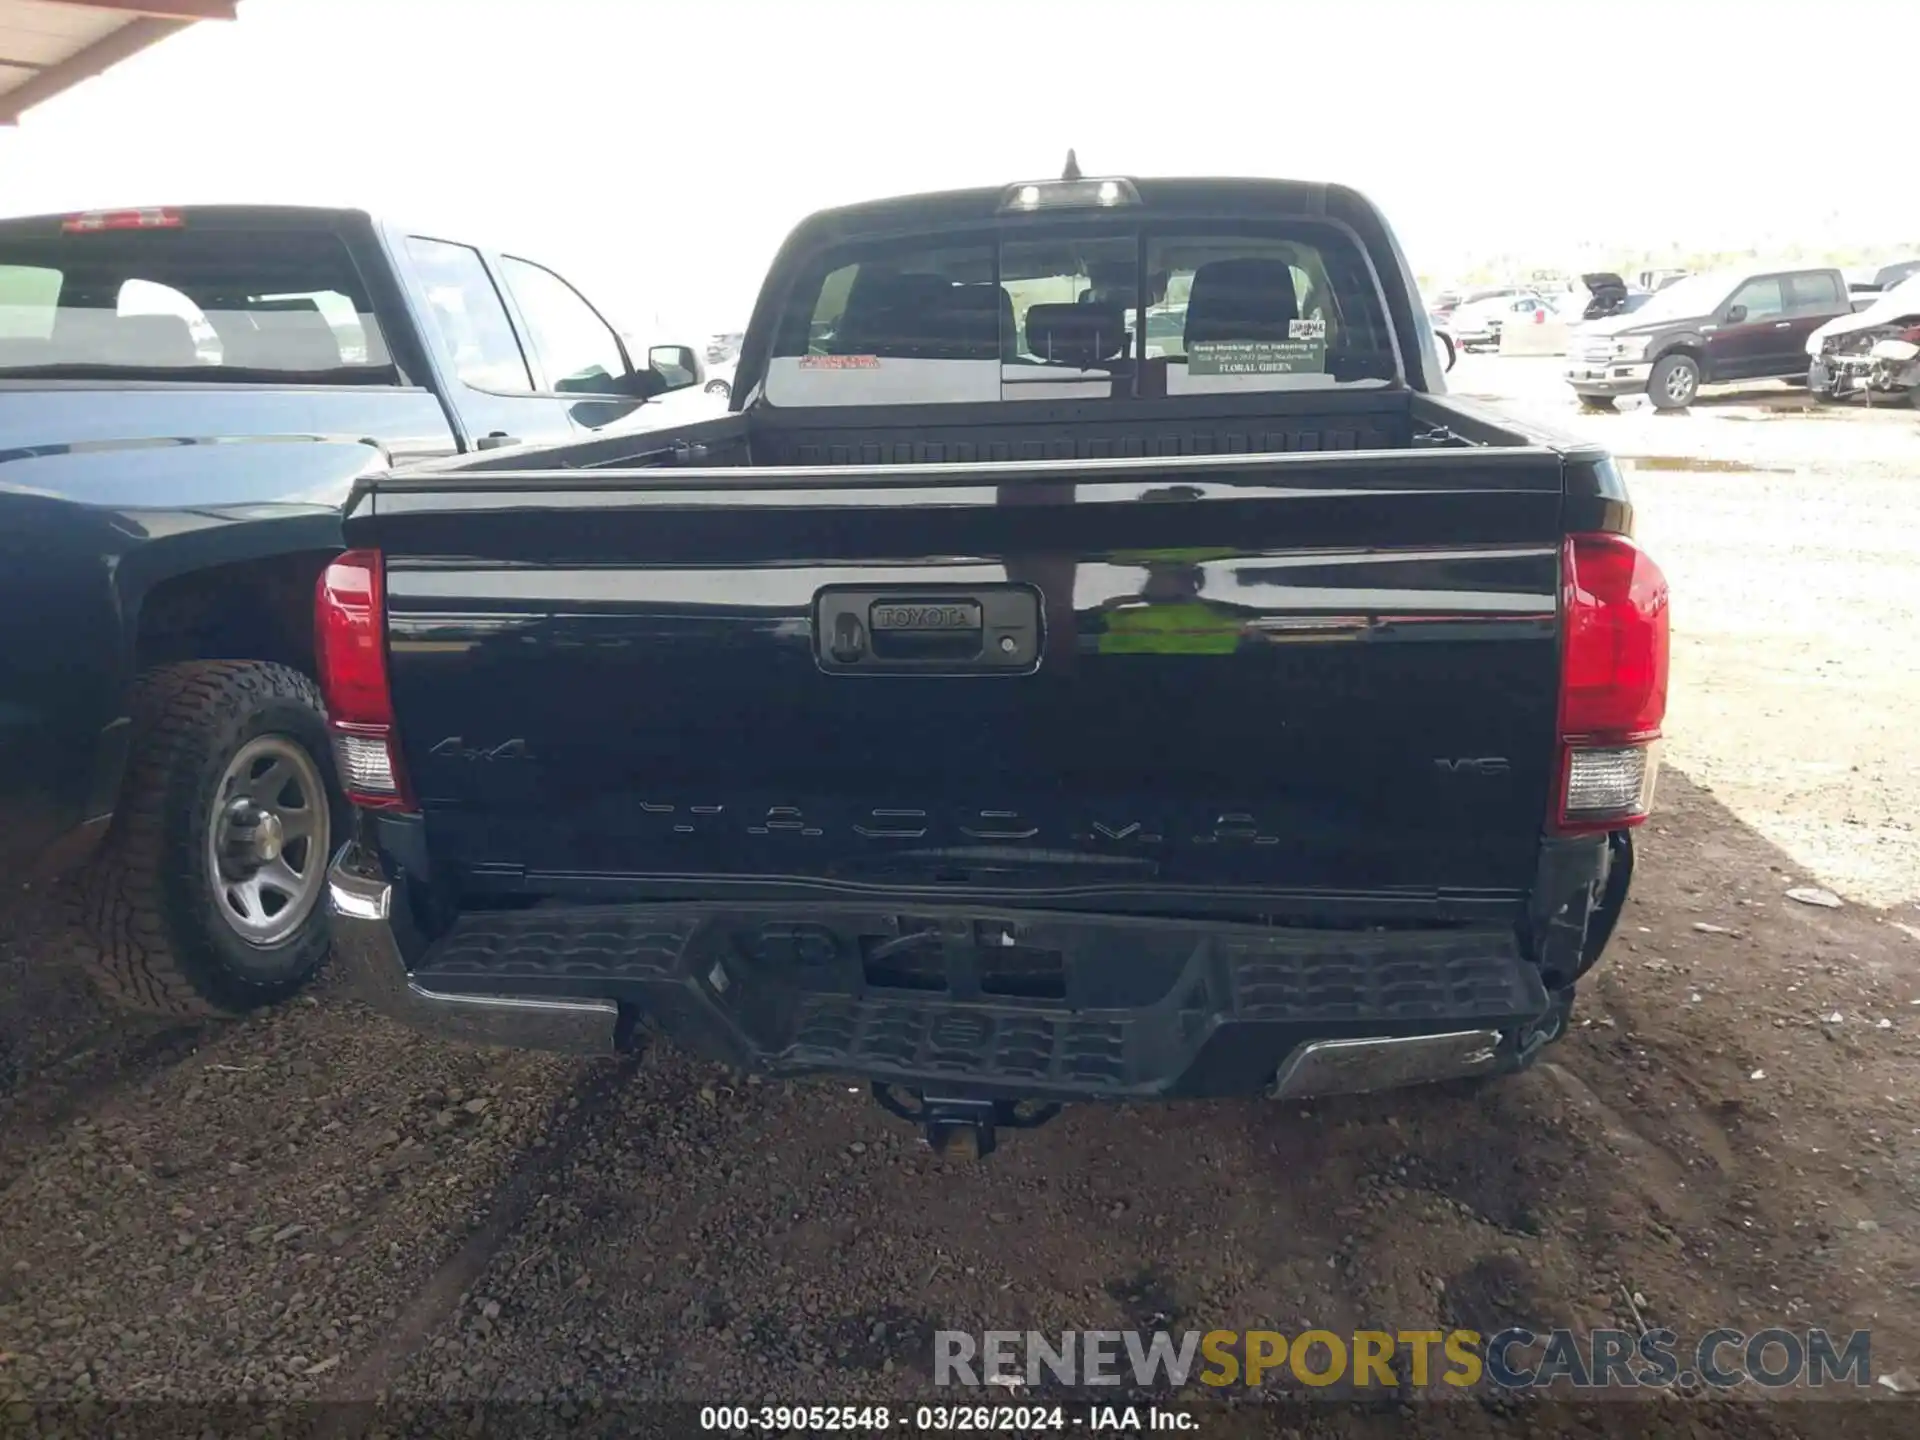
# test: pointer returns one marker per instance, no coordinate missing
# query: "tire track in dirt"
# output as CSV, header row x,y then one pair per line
x,y
63,1053
261,1215
567,1126
37,1104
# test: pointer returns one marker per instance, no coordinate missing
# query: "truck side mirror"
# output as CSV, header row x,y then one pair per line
x,y
1736,314
677,366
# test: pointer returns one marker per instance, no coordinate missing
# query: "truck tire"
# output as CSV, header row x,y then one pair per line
x,y
208,896
1674,382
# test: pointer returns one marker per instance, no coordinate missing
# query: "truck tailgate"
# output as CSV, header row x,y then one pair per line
x,y
1255,685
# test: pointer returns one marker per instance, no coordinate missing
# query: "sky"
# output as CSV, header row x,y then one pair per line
x,y
657,151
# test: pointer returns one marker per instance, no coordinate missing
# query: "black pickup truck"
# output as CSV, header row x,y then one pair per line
x,y
1003,713
186,398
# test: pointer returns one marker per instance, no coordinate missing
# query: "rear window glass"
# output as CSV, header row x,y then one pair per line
x,y
1112,313
1815,292
213,305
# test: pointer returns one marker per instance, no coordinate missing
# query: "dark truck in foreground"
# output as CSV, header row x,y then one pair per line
x,y
1003,714
186,398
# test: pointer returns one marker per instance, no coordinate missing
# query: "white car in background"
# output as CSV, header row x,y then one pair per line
x,y
1875,351
1478,323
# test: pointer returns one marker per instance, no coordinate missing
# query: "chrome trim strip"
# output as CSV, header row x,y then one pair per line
x,y
1387,1062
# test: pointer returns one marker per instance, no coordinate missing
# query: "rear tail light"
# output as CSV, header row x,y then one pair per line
x,y
350,645
1613,684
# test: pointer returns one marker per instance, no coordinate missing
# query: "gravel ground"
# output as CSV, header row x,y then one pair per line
x,y
313,1204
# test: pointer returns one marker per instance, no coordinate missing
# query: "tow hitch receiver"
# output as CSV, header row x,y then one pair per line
x,y
960,1127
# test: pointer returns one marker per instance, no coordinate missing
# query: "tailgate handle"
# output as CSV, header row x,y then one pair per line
x,y
988,630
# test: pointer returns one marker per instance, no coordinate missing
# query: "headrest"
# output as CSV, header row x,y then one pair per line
x,y
294,338
1245,299
1079,335
85,335
159,340
925,317
888,312
975,322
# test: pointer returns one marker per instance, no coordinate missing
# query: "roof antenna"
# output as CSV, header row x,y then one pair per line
x,y
1072,172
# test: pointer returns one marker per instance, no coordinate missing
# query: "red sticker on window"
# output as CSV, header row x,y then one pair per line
x,y
839,362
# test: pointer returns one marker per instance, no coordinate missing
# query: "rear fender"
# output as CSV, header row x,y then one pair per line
x,y
85,536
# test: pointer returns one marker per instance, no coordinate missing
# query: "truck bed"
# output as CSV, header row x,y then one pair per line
x,y
970,434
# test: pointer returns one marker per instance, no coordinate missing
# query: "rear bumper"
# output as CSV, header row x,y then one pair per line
x,y
1131,1010
367,950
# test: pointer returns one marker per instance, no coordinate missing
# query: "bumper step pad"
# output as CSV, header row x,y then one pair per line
x,y
996,1003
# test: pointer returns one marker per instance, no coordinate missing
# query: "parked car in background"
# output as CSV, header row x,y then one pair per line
x,y
1495,292
1657,280
720,378
1606,294
1166,324
161,742
1477,324
1875,351
1888,276
1869,282
1745,324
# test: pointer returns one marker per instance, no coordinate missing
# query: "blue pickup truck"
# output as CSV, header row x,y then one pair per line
x,y
187,397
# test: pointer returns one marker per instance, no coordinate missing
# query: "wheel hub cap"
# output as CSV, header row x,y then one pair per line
x,y
269,840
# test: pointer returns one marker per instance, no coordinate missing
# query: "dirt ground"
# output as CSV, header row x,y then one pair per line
x,y
315,1204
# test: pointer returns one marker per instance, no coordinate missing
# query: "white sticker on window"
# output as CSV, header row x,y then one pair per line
x,y
1313,328
1257,357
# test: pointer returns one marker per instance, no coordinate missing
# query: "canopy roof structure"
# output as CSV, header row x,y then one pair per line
x,y
49,46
